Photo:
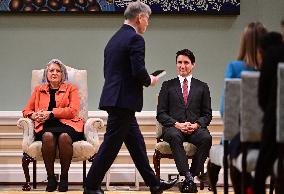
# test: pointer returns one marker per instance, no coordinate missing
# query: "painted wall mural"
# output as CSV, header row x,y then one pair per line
x,y
217,7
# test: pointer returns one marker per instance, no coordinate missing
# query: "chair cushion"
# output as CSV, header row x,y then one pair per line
x,y
34,150
165,148
275,167
216,154
82,150
251,160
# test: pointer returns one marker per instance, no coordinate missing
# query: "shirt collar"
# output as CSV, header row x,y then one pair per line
x,y
182,78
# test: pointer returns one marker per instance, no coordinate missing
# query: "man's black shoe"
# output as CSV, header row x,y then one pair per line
x,y
51,184
187,186
164,185
203,177
63,184
90,191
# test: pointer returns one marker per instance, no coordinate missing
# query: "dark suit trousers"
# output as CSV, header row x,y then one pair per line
x,y
267,154
201,138
122,127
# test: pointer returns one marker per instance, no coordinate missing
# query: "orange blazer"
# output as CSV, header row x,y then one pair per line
x,y
67,105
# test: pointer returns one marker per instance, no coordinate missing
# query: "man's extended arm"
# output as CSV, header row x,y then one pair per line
x,y
137,60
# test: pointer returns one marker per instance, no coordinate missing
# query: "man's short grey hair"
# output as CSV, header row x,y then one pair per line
x,y
135,8
62,68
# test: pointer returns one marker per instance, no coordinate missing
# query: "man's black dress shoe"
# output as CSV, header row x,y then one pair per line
x,y
51,184
90,191
63,184
164,185
187,186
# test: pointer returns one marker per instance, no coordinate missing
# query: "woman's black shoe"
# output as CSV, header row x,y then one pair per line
x,y
51,184
63,184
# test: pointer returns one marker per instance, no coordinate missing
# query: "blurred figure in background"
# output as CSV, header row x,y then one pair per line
x,y
248,60
272,52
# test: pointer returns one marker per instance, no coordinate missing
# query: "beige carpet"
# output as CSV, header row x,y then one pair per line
x,y
16,189
106,192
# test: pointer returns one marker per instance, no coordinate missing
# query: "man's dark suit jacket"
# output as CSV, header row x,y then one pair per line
x,y
124,71
267,98
171,107
268,80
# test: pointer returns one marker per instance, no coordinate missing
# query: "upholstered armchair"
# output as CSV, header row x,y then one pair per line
x,y
218,155
82,150
163,150
250,127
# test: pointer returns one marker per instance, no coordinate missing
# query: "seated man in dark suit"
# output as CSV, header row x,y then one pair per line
x,y
184,110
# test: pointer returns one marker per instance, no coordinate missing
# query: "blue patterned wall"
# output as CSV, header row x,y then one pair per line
x,y
114,6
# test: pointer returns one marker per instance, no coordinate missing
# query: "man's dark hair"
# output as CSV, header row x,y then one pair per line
x,y
187,53
282,22
270,39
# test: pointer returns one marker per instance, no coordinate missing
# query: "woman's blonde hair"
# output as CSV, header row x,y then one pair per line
x,y
62,68
250,39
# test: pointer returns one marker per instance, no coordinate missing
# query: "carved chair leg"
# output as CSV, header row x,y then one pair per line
x,y
25,164
84,173
272,184
236,177
34,174
201,182
157,161
213,172
279,186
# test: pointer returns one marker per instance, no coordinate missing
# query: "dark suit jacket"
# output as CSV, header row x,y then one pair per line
x,y
171,107
268,81
124,71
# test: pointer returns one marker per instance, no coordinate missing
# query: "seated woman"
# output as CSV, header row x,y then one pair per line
x,y
54,107
248,59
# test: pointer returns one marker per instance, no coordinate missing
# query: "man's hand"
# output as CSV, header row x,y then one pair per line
x,y
154,80
184,127
194,126
187,127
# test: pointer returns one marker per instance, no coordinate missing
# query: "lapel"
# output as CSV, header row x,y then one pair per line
x,y
59,96
178,89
